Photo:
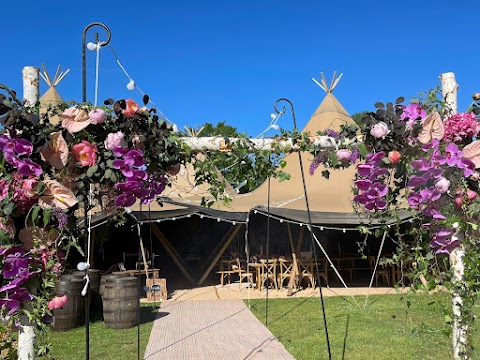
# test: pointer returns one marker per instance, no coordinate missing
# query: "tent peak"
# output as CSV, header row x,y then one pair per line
x,y
59,75
324,85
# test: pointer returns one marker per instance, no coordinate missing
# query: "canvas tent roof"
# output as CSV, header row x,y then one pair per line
x,y
330,200
51,96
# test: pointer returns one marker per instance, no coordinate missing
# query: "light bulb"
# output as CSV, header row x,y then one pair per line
x,y
275,127
131,85
91,46
273,116
82,266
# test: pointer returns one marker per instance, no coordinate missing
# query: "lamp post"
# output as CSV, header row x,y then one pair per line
x,y
84,60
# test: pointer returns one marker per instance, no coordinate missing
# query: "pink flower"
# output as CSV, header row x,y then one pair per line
x,y
394,156
56,195
442,184
85,153
131,109
30,187
75,120
56,152
114,140
97,116
57,302
460,127
380,130
3,189
344,155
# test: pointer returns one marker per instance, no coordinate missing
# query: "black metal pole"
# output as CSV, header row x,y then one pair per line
x,y
87,296
84,58
84,99
309,220
267,250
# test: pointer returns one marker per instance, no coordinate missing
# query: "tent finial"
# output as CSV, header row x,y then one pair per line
x,y
59,75
323,83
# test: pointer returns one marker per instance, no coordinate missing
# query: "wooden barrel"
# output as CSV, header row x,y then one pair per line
x,y
120,303
106,278
72,313
95,299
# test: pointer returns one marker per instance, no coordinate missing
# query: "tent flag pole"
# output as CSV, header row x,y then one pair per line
x,y
309,221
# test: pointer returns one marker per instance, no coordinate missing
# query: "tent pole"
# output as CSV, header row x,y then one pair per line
x,y
220,252
172,252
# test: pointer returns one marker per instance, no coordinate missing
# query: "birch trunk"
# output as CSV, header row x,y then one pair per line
x,y
26,339
27,330
31,84
219,143
449,90
459,334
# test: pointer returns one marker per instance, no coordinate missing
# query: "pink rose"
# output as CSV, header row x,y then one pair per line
x,y
57,302
442,185
131,109
75,120
85,153
379,130
344,155
97,116
114,140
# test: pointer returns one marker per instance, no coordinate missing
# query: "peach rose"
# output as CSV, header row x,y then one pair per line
x,y
85,153
131,109
56,152
75,120
394,156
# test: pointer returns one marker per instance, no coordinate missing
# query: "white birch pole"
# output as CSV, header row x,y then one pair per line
x,y
31,84
449,90
459,333
27,330
219,143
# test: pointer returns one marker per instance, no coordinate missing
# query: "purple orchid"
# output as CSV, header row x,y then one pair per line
x,y
125,166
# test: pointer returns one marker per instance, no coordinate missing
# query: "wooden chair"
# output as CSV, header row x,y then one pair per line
x,y
305,267
225,273
322,270
269,272
381,271
286,270
243,274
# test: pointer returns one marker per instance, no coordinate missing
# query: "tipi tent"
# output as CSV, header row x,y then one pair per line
x,y
51,97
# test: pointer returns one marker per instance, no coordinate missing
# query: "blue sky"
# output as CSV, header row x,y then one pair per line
x,y
211,61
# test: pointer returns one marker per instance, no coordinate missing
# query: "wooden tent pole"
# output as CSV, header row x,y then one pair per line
x,y
219,254
300,240
172,252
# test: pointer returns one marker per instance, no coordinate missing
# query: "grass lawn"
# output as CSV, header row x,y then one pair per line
x,y
391,327
105,343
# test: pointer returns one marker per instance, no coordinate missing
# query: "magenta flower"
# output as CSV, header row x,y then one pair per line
x,y
137,156
125,166
28,168
125,200
452,154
